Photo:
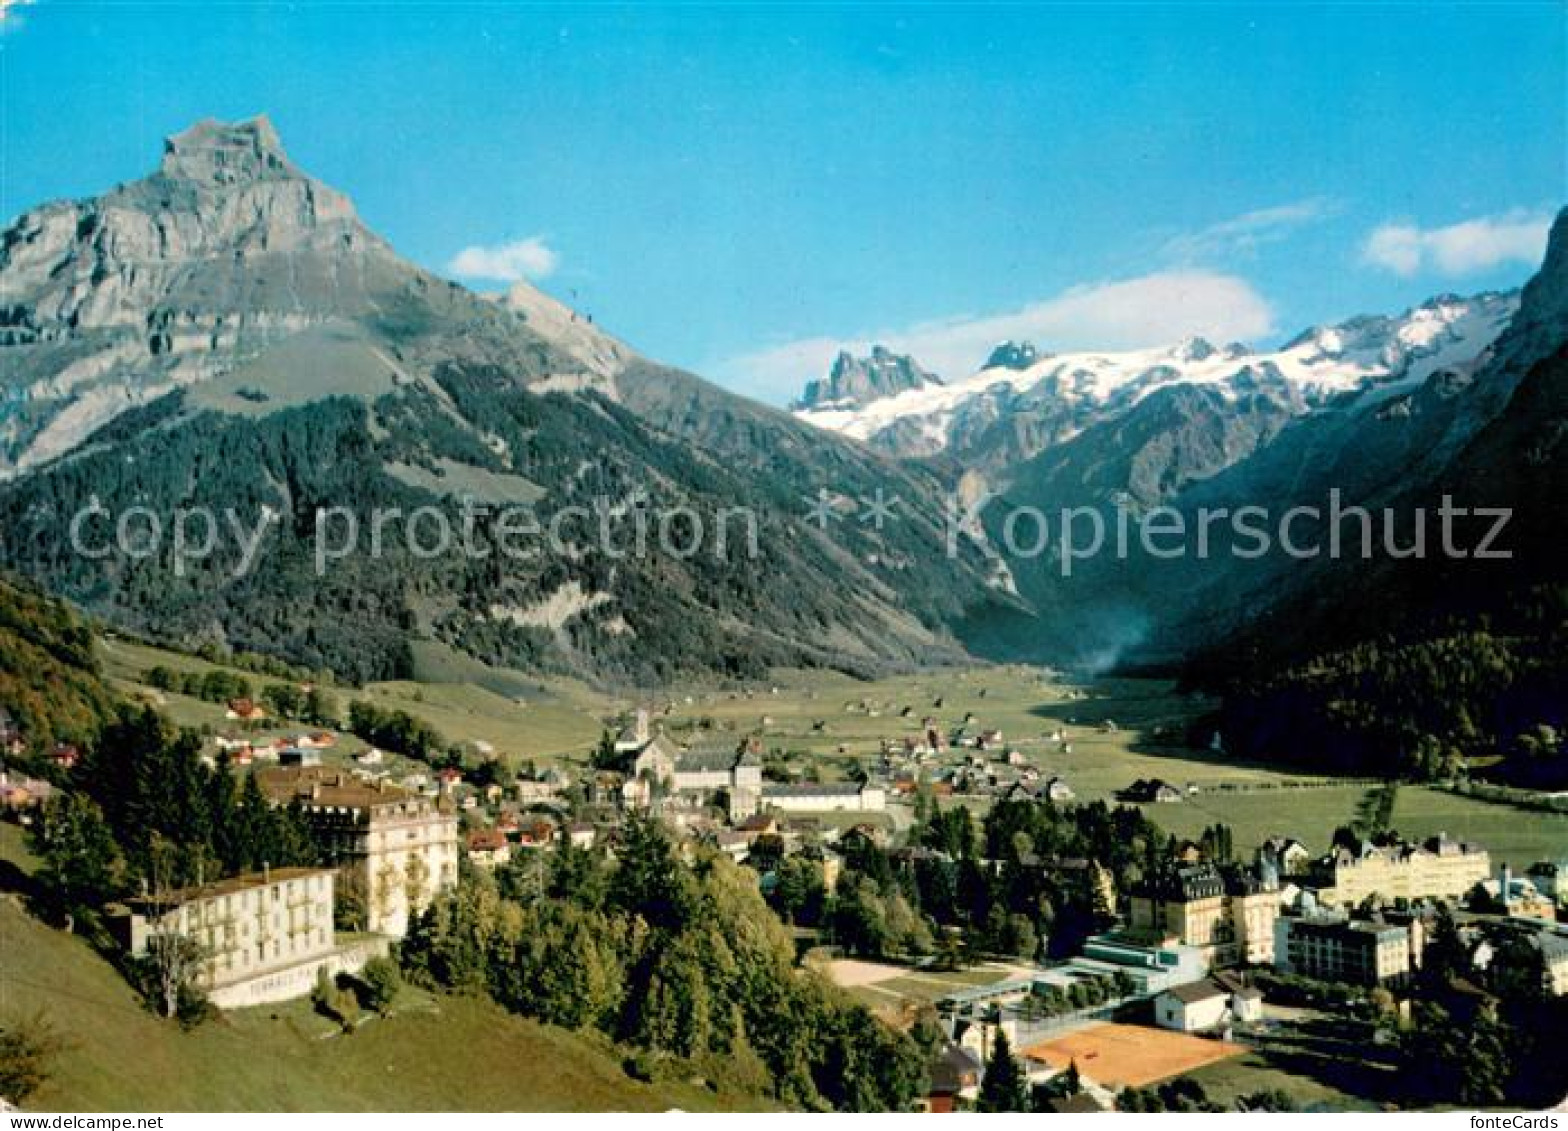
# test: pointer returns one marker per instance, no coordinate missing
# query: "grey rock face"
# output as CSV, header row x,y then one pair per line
x,y
226,333
856,381
1012,355
170,280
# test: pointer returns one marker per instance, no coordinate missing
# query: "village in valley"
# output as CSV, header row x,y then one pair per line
x,y
989,858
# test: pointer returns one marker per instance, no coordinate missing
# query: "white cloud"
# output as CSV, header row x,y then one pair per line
x,y
512,262
1126,314
10,16
1459,249
1243,235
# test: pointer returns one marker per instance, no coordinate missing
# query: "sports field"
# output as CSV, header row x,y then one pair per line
x,y
885,986
1130,1056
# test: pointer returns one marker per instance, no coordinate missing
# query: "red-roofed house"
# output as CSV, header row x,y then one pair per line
x,y
488,848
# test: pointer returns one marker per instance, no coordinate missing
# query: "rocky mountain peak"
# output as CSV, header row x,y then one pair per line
x,y
1542,322
223,153
573,332
222,251
845,362
1194,349
856,381
1012,355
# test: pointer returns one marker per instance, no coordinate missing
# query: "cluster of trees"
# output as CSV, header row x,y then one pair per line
x,y
1060,867
1375,813
49,679
1034,879
259,664
1187,1094
1415,710
397,731
28,1048
143,809
307,704
215,686
345,998
1217,842
875,917
679,961
1054,1001
312,704
1312,993
1180,1094
354,621
1480,1038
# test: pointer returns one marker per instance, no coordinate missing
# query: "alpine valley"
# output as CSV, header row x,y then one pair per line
x,y
417,698
1376,412
226,333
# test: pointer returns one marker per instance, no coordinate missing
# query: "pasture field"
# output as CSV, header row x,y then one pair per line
x,y
546,732
118,1056
1116,730
835,717
522,717
1323,1062
1255,1071
1519,836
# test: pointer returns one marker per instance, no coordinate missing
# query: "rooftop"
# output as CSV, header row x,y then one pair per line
x,y
328,787
1194,992
247,882
812,789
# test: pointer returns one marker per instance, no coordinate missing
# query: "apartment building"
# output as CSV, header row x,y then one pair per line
x,y
1228,914
398,847
1335,949
262,937
1439,868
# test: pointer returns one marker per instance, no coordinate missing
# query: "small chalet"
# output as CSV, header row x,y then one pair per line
x,y
65,755
1151,791
955,1074
488,848
245,710
1057,789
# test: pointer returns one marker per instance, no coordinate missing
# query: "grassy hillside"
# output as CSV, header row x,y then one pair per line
x,y
434,1053
1515,835
467,702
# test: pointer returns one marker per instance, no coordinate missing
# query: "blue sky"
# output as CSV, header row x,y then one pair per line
x,y
742,190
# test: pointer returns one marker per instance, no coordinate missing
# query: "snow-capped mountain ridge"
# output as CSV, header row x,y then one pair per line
x,y
1071,390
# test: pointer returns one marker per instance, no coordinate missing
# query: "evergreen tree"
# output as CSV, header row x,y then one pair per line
x,y
1003,1088
605,756
81,862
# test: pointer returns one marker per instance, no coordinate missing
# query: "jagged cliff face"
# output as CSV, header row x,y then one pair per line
x,y
168,280
854,381
226,333
229,262
1012,355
